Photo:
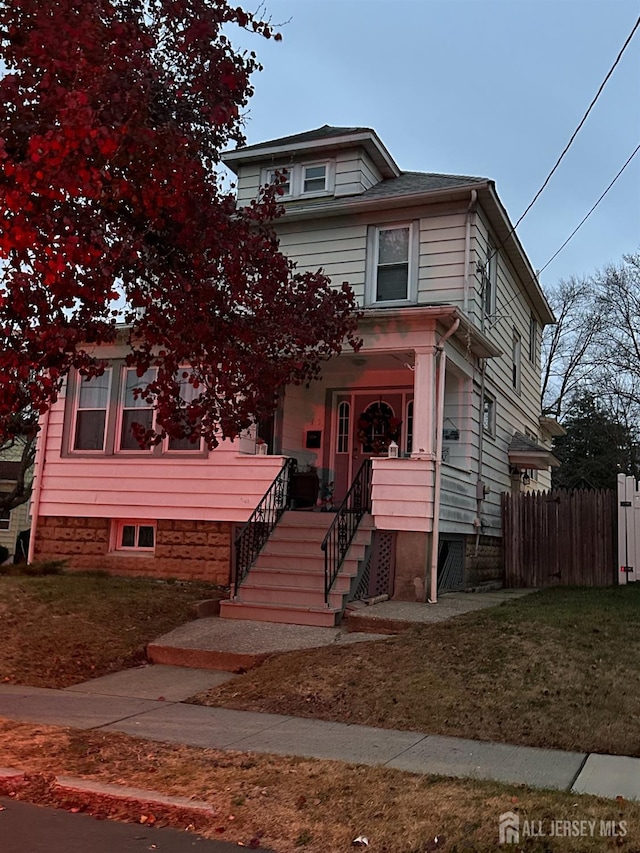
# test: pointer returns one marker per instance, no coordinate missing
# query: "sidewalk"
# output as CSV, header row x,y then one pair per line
x,y
123,703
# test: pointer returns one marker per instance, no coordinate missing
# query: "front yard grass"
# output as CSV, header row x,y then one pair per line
x,y
290,805
60,630
558,669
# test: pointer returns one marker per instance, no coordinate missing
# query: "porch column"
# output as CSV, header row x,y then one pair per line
x,y
424,403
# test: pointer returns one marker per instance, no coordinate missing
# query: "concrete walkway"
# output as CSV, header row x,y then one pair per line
x,y
232,645
145,702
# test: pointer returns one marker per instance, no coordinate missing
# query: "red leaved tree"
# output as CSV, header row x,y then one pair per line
x,y
113,114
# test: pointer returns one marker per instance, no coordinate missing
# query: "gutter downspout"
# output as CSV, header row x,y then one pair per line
x,y
467,248
480,489
34,509
435,535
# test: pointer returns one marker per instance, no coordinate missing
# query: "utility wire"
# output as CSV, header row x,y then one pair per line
x,y
579,226
579,127
568,145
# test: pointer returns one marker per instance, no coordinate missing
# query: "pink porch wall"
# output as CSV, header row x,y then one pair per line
x,y
402,494
225,486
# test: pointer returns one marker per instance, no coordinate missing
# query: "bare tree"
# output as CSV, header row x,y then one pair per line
x,y
571,351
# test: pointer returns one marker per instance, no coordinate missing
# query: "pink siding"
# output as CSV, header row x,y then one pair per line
x,y
224,486
402,494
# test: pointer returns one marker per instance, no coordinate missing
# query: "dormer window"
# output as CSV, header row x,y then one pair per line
x,y
285,186
315,178
302,179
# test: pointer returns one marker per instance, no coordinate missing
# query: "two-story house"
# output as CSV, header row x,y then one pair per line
x,y
441,404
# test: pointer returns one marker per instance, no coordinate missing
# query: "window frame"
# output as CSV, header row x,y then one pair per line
x,y
533,340
373,249
76,409
117,531
516,362
489,423
118,437
5,519
297,177
197,447
490,278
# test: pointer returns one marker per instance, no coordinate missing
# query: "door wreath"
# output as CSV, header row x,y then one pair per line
x,y
377,428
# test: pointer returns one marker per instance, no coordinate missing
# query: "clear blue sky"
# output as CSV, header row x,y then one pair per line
x,y
478,87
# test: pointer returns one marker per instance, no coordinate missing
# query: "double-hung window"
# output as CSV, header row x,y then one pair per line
x,y
137,409
285,180
91,412
314,178
516,357
188,393
489,415
392,268
5,519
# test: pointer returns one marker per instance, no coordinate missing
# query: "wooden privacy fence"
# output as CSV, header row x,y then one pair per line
x,y
560,538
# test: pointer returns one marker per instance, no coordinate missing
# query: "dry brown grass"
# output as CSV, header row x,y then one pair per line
x,y
299,804
558,669
60,630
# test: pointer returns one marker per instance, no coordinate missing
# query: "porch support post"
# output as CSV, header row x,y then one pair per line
x,y
424,377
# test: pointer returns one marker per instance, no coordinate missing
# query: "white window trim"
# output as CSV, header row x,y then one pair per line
x,y
372,264
5,520
76,408
516,362
296,174
490,275
533,340
117,527
117,440
490,429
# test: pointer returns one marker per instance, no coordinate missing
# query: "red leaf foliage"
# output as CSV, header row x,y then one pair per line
x,y
113,114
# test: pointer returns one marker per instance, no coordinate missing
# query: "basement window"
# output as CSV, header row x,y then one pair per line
x,y
135,536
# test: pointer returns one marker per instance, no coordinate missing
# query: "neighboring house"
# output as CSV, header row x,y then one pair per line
x,y
12,522
450,369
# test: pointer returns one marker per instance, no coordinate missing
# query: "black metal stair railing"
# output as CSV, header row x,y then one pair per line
x,y
343,528
255,532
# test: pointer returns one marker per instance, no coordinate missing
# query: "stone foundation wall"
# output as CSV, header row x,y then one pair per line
x,y
187,550
487,565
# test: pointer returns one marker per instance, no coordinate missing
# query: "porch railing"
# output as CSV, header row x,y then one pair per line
x,y
343,528
255,532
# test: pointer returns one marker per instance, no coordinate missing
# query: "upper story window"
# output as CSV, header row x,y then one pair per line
x,y
315,178
89,430
533,340
285,175
516,357
489,280
5,519
392,264
302,179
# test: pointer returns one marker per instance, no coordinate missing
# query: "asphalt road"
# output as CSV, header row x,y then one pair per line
x,y
34,829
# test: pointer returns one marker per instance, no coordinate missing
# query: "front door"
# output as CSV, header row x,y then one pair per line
x,y
365,425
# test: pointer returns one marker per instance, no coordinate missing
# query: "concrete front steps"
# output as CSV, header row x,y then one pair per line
x,y
286,582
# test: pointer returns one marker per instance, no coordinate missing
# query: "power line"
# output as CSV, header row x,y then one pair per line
x,y
569,143
579,127
579,226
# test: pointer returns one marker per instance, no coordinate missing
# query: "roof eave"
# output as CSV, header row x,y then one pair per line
x,y
369,140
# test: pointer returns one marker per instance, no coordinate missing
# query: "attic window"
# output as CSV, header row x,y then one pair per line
x,y
315,179
285,186
302,179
